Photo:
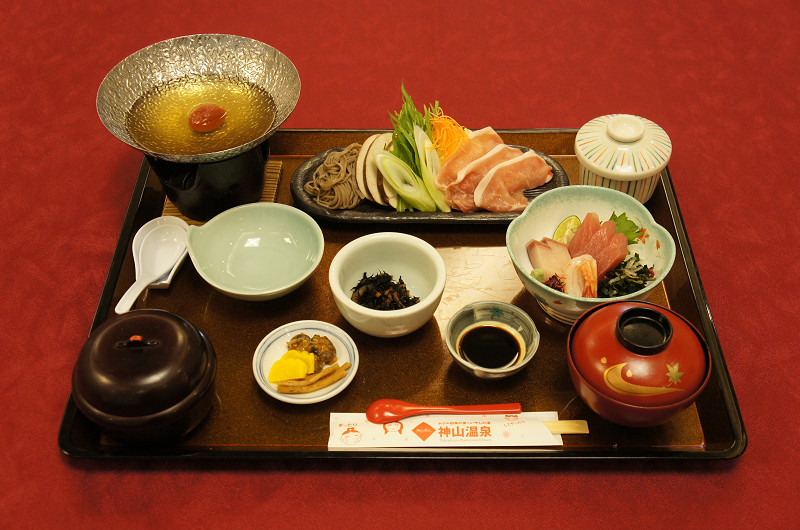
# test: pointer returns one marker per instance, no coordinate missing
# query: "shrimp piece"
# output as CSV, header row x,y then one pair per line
x,y
580,277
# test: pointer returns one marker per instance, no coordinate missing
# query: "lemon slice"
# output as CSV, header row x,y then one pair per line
x,y
566,229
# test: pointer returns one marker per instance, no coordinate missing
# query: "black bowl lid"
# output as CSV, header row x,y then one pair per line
x,y
140,363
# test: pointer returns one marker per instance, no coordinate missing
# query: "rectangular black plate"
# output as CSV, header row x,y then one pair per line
x,y
370,212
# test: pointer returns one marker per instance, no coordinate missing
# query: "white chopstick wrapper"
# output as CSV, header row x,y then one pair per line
x,y
353,432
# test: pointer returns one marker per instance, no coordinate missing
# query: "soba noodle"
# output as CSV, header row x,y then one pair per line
x,y
333,184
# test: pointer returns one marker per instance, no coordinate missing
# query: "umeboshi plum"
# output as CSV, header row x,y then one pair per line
x,y
207,117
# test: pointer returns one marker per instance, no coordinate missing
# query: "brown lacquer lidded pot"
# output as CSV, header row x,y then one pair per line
x,y
146,376
637,364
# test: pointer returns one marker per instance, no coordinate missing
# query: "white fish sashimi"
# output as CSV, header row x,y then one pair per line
x,y
548,255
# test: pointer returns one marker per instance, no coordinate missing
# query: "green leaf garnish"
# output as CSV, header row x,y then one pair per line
x,y
627,227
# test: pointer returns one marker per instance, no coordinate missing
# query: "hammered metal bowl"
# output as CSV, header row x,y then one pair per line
x,y
204,55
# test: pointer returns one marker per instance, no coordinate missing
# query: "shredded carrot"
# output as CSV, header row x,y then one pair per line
x,y
447,134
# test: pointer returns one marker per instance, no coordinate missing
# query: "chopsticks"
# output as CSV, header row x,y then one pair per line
x,y
567,426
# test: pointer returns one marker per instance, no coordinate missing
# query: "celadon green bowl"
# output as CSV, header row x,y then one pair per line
x,y
257,251
543,215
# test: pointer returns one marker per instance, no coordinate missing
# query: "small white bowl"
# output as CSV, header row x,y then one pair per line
x,y
623,152
273,347
542,217
507,316
401,255
257,251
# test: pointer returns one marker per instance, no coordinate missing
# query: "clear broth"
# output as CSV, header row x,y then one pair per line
x,y
159,120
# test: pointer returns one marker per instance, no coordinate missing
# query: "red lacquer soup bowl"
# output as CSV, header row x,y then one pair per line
x,y
635,363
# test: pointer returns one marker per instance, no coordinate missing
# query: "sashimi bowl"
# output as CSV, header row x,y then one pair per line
x,y
545,215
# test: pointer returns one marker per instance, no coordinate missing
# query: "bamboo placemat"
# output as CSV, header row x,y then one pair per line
x,y
272,178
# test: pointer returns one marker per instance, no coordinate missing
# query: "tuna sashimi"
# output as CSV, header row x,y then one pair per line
x,y
599,239
612,255
589,225
605,244
462,190
501,190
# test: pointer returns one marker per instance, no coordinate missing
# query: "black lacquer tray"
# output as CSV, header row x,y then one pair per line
x,y
247,423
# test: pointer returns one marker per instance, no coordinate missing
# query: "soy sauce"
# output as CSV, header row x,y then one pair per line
x,y
490,345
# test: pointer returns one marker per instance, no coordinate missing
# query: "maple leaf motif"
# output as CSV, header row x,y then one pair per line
x,y
673,374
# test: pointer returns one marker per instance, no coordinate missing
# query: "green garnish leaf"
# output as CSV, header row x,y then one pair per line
x,y
624,225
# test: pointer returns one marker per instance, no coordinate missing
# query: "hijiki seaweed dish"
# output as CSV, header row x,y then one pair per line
x,y
380,291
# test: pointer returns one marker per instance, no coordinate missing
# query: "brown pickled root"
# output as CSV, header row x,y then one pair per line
x,y
313,378
326,378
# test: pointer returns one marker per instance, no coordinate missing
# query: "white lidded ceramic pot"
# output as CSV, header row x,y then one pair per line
x,y
623,152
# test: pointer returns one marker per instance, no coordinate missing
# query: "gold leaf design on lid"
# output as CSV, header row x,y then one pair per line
x,y
614,380
673,374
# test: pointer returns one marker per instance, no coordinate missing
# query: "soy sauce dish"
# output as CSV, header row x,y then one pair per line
x,y
491,339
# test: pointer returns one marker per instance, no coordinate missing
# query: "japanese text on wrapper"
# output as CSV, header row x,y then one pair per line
x,y
458,430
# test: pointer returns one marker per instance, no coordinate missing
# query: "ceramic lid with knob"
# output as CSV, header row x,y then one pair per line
x,y
639,353
141,363
623,147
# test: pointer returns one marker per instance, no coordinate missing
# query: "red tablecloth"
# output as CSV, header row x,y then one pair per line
x,y
720,78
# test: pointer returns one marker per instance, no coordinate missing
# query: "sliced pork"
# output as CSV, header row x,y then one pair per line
x,y
501,189
462,190
479,143
510,172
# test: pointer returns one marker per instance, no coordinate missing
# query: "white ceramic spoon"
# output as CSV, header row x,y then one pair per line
x,y
161,250
166,280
